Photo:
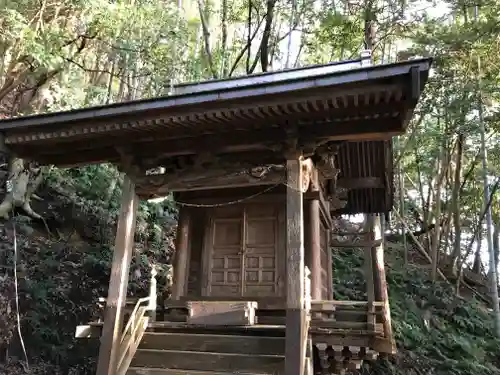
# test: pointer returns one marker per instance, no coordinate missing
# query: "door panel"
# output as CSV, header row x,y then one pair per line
x,y
226,262
260,272
242,258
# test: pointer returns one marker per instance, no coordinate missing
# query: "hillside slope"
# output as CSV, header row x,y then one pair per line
x,y
63,273
437,333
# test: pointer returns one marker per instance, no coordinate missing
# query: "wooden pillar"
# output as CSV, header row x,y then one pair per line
x,y
379,279
181,262
295,313
314,242
117,291
369,273
313,237
330,263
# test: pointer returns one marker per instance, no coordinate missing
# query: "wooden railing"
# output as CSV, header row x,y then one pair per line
x,y
136,326
354,315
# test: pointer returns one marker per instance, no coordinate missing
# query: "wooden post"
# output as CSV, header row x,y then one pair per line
x,y
181,262
314,232
117,291
153,294
330,263
369,273
295,313
380,283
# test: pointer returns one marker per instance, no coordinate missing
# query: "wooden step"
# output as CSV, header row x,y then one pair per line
x,y
166,371
211,361
255,330
213,343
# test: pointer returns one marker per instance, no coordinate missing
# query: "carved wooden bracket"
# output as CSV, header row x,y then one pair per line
x,y
307,170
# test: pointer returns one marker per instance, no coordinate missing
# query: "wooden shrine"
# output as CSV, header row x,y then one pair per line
x,y
260,166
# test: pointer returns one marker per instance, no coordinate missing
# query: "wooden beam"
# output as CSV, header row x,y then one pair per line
x,y
86,150
361,183
240,179
181,264
295,313
117,293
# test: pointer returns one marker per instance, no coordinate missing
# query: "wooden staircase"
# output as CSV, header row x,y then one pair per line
x,y
339,337
178,349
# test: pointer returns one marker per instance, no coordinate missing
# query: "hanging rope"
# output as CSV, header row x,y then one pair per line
x,y
241,200
17,294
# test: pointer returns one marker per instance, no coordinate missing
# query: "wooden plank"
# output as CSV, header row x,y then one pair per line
x,y
164,371
117,291
128,301
346,325
265,303
181,262
87,331
349,340
222,313
343,303
231,181
295,270
211,361
268,330
214,343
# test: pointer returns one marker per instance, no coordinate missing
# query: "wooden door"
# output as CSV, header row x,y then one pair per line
x,y
242,259
224,250
260,251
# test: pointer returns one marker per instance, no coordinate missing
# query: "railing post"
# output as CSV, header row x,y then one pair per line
x,y
152,293
307,290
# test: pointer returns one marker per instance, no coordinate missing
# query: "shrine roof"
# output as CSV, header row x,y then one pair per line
x,y
210,130
338,101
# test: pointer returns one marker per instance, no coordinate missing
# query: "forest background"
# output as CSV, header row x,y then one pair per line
x,y
66,54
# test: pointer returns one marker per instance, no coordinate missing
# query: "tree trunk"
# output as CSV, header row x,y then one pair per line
x,y
225,57
264,45
476,267
456,252
206,38
24,178
496,242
